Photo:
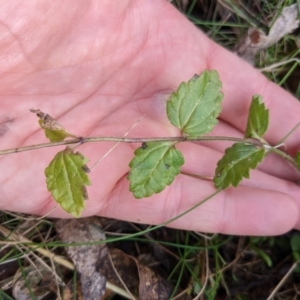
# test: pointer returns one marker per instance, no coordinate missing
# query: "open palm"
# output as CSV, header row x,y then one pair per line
x,y
98,67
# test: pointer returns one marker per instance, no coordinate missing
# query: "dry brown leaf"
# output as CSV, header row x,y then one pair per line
x,y
256,40
151,286
54,131
33,281
48,121
125,267
68,293
138,278
85,258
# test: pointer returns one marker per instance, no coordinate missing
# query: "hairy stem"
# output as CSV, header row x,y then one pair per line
x,y
82,140
285,156
289,133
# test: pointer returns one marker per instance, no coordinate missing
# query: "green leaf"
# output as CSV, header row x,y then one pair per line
x,y
295,243
195,106
258,119
53,130
236,164
263,255
297,160
67,178
154,166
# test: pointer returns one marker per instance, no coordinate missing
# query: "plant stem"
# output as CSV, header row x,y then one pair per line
x,y
285,156
289,133
82,140
178,139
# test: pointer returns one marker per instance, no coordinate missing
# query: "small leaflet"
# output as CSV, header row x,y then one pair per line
x,y
196,105
236,164
53,130
258,119
154,166
67,178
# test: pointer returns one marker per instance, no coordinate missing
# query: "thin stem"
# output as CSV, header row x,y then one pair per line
x,y
40,146
110,240
207,178
82,140
285,156
178,139
164,223
192,208
289,133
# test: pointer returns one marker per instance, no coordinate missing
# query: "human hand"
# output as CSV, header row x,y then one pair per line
x,y
97,69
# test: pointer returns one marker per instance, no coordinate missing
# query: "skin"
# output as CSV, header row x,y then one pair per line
x,y
98,67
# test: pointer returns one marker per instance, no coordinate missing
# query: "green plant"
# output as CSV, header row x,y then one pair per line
x,y
193,109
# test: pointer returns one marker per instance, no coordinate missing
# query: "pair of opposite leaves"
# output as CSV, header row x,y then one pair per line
x,y
193,109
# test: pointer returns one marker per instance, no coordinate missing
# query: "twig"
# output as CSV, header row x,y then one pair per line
x,y
82,140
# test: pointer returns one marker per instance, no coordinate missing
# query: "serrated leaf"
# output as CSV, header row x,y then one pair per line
x,y
67,178
236,164
258,119
53,130
195,106
154,166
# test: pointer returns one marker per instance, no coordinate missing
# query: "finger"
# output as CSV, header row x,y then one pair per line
x,y
183,193
255,198
203,161
243,211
